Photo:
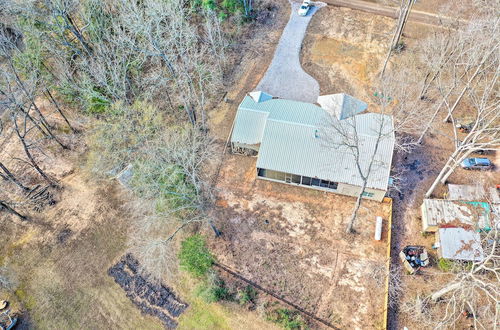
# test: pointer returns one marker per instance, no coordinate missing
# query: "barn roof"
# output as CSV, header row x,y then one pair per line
x,y
292,139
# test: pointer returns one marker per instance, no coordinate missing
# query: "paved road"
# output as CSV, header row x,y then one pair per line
x,y
285,78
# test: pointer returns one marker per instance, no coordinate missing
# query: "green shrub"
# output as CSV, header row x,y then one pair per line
x,y
209,4
214,289
287,319
445,265
231,6
247,295
195,257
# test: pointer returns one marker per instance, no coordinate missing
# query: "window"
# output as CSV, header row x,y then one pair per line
x,y
306,180
295,178
261,172
315,182
288,178
368,194
333,185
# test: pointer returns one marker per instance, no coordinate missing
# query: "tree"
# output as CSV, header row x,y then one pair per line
x,y
472,288
399,119
484,130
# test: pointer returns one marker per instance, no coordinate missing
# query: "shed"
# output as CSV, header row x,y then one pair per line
x,y
458,243
464,192
436,212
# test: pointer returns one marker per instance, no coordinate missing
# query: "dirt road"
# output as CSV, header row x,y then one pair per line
x,y
285,77
393,12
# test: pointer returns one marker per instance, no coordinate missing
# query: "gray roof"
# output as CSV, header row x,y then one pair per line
x,y
342,105
441,211
292,140
472,193
460,244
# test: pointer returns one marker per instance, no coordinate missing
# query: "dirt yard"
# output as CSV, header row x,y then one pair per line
x,y
291,241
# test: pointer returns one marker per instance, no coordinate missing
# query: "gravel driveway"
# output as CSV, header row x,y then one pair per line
x,y
285,78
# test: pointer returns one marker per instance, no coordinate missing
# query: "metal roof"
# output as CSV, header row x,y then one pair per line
x,y
460,244
295,139
441,211
342,105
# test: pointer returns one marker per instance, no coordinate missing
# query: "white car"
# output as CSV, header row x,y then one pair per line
x,y
304,8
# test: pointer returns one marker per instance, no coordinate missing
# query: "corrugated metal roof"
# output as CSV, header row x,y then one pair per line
x,y
249,127
441,211
296,138
460,244
342,105
294,149
472,193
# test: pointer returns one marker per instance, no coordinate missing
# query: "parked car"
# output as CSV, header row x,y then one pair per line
x,y
476,164
304,8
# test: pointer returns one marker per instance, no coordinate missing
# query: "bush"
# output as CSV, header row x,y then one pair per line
x,y
287,319
247,295
445,265
195,257
214,289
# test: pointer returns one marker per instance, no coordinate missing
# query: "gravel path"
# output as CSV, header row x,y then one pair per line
x,y
285,78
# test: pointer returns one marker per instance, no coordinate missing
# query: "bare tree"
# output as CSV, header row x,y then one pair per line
x,y
484,131
471,291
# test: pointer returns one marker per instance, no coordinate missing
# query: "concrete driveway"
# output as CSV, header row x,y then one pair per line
x,y
285,78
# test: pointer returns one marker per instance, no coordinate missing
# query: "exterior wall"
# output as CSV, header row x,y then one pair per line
x,y
425,224
245,149
351,190
342,188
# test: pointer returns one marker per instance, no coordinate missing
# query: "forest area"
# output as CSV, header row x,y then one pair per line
x,y
108,150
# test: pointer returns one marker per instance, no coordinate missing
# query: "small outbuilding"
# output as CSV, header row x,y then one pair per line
x,y
438,212
464,192
457,243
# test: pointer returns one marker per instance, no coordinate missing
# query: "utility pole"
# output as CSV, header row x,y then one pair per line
x,y
404,14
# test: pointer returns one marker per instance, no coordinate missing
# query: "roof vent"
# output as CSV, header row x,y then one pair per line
x,y
316,134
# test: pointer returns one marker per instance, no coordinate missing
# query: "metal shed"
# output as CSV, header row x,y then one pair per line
x,y
436,212
459,244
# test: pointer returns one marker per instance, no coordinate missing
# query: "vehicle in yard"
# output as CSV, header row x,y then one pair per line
x,y
476,164
304,8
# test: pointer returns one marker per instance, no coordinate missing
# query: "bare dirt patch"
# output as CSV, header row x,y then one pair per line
x,y
344,48
291,240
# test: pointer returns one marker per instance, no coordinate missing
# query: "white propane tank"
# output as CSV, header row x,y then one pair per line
x,y
378,229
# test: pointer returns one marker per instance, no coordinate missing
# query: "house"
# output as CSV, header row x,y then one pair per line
x,y
457,243
438,212
289,139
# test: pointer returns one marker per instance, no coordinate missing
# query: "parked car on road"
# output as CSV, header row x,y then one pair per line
x,y
304,8
476,164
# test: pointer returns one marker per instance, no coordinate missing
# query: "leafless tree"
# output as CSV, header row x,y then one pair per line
x,y
399,119
472,289
484,130
464,55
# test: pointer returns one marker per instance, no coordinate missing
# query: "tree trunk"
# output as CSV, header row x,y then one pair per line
x,y
5,206
53,100
12,178
350,225
30,156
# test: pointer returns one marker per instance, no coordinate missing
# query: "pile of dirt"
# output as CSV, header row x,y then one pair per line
x,y
151,298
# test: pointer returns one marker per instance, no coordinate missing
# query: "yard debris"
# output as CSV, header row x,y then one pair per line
x,y
151,298
7,321
414,257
